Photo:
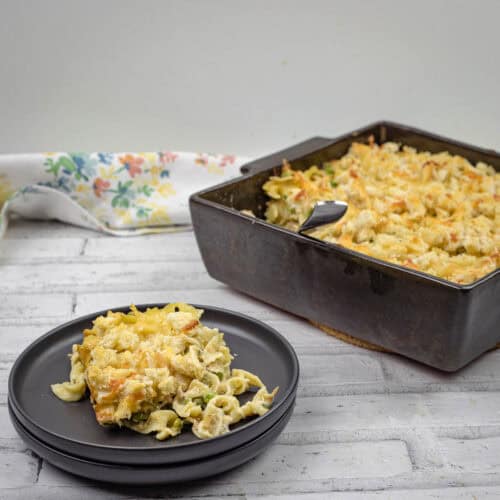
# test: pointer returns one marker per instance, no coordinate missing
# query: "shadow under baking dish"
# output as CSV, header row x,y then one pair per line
x,y
72,427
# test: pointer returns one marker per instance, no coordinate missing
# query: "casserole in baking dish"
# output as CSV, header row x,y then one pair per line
x,y
435,213
427,318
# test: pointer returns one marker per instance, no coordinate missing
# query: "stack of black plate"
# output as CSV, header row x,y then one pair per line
x,y
68,436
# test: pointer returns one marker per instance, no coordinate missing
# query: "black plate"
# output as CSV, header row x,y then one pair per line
x,y
153,474
72,426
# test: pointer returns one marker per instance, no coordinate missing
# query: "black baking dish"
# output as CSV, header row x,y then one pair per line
x,y
425,318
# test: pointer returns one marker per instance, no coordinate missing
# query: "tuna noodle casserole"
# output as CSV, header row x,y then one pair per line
x,y
435,213
160,371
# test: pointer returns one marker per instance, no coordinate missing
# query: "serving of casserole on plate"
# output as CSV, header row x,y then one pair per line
x,y
411,267
159,371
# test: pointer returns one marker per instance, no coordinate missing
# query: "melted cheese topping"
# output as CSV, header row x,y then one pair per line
x,y
159,370
435,213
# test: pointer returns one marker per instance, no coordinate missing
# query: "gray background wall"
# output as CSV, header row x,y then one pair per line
x,y
242,76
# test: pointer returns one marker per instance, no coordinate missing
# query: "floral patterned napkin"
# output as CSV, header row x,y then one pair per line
x,y
116,193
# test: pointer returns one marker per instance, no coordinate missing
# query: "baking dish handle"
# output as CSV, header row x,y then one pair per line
x,y
290,154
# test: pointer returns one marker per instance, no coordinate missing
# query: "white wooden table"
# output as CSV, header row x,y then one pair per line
x,y
366,425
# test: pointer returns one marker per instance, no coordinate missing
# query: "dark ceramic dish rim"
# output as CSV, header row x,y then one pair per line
x,y
290,392
249,171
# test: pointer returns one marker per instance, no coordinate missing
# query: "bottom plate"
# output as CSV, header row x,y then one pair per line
x,y
152,474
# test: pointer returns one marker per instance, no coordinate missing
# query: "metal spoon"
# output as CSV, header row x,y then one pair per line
x,y
324,212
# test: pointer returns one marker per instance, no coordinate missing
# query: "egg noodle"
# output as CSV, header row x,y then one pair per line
x,y
435,213
160,371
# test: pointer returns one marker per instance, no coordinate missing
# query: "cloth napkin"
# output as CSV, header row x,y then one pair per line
x,y
117,193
